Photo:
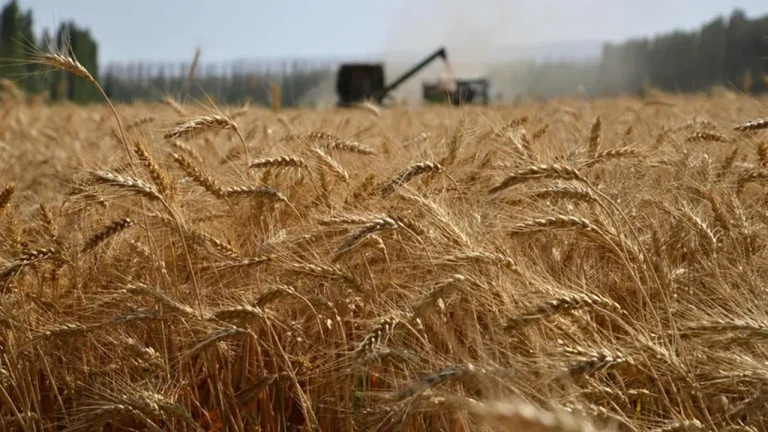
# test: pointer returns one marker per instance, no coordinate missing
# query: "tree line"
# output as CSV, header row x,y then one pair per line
x,y
725,52
730,52
236,83
19,46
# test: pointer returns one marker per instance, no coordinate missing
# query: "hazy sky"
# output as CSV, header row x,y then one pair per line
x,y
228,29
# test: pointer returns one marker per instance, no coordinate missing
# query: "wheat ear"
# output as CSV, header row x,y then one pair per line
x,y
561,305
198,126
552,222
518,415
26,258
354,239
331,165
174,105
350,147
71,65
594,137
178,145
204,180
559,192
278,162
750,177
128,183
141,122
5,196
762,154
409,174
707,136
377,336
107,232
156,173
752,126
617,153
537,172
591,362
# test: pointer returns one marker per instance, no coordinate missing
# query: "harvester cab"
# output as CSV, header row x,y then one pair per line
x,y
358,82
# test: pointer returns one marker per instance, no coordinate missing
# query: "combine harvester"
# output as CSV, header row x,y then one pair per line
x,y
360,82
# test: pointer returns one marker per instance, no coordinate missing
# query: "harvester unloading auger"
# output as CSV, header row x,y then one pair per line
x,y
359,82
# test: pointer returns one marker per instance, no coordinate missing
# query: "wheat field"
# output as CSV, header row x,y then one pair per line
x,y
559,266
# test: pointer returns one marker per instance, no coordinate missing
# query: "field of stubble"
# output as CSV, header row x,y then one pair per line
x,y
571,265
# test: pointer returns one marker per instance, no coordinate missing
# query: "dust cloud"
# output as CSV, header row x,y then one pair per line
x,y
482,38
469,31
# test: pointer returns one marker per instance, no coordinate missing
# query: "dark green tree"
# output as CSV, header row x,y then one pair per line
x,y
11,48
17,45
79,43
710,65
31,81
733,54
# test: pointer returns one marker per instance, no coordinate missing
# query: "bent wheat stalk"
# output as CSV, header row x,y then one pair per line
x,y
200,125
409,174
69,63
413,171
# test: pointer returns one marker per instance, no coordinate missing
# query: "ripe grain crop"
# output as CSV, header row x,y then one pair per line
x,y
436,268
